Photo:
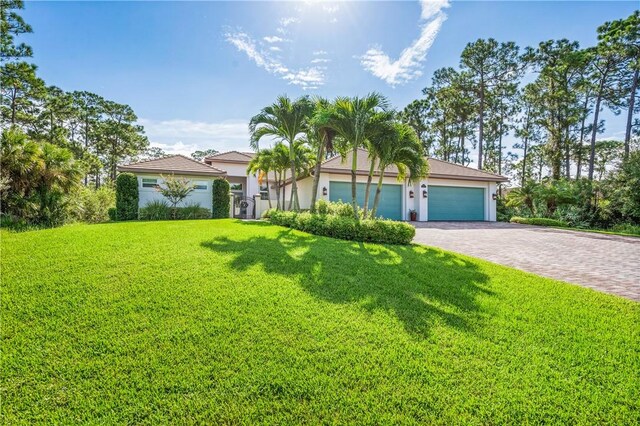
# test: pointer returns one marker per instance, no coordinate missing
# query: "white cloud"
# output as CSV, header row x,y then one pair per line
x,y
285,22
275,49
307,78
186,136
320,61
319,52
331,8
273,39
407,66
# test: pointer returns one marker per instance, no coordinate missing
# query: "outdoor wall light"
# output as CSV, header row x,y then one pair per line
x,y
410,194
424,194
324,190
494,196
423,186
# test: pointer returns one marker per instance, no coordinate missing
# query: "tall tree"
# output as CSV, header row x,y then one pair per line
x,y
607,56
489,64
285,120
200,155
353,121
21,92
624,35
402,148
320,136
12,25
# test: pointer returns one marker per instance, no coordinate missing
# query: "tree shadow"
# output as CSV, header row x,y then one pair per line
x,y
420,286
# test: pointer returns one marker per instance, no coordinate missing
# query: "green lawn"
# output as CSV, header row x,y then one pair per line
x,y
224,322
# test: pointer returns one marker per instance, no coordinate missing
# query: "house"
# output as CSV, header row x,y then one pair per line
x,y
450,192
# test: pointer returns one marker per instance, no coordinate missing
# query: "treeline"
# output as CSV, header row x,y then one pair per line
x,y
555,116
54,140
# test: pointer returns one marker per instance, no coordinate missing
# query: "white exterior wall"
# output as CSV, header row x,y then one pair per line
x,y
418,202
200,196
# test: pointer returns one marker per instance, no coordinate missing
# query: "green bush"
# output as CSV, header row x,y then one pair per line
x,y
539,221
221,203
322,207
155,210
627,228
344,227
126,197
92,205
161,210
112,214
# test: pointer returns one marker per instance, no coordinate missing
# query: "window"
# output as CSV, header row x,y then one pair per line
x,y
149,183
200,185
235,186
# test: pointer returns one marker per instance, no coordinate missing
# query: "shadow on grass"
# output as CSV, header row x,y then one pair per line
x,y
422,287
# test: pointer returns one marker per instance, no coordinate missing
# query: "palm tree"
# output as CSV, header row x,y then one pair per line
x,y
352,120
262,164
402,148
20,161
286,121
525,195
58,174
381,124
320,136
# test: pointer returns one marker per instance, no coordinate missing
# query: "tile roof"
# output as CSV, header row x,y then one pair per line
x,y
231,157
437,168
177,164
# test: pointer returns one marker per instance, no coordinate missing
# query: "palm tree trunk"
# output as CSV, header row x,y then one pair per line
x,y
293,203
632,99
376,198
268,192
366,193
316,175
354,167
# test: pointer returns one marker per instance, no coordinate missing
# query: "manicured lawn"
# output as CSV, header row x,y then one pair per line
x,y
223,322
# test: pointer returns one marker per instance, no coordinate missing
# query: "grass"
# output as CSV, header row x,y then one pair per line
x,y
225,322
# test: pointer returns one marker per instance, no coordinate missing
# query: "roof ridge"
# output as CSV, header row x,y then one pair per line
x,y
199,162
153,159
465,167
217,154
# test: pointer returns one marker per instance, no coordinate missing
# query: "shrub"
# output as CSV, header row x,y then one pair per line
x,y
93,205
112,214
161,210
627,228
344,227
540,221
221,203
193,211
322,207
155,210
126,197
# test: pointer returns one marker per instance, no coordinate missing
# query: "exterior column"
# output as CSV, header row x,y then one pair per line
x,y
230,205
420,201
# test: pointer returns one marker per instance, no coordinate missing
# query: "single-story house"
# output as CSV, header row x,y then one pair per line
x,y
450,192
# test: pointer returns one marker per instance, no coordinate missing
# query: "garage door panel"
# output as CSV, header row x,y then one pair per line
x,y
390,205
456,203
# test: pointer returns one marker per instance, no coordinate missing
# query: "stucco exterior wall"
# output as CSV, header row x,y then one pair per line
x,y
418,202
200,196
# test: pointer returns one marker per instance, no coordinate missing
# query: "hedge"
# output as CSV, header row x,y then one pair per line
x,y
221,203
539,221
160,210
346,228
126,197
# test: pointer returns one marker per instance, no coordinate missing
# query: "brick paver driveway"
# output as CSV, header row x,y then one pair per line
x,y
603,262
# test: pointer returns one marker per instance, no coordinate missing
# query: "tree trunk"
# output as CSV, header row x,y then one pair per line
x,y
268,192
376,198
284,189
366,193
594,132
567,154
278,187
293,203
632,99
481,125
316,175
524,160
580,147
354,167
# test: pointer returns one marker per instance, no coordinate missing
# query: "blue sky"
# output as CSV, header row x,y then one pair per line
x,y
195,72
